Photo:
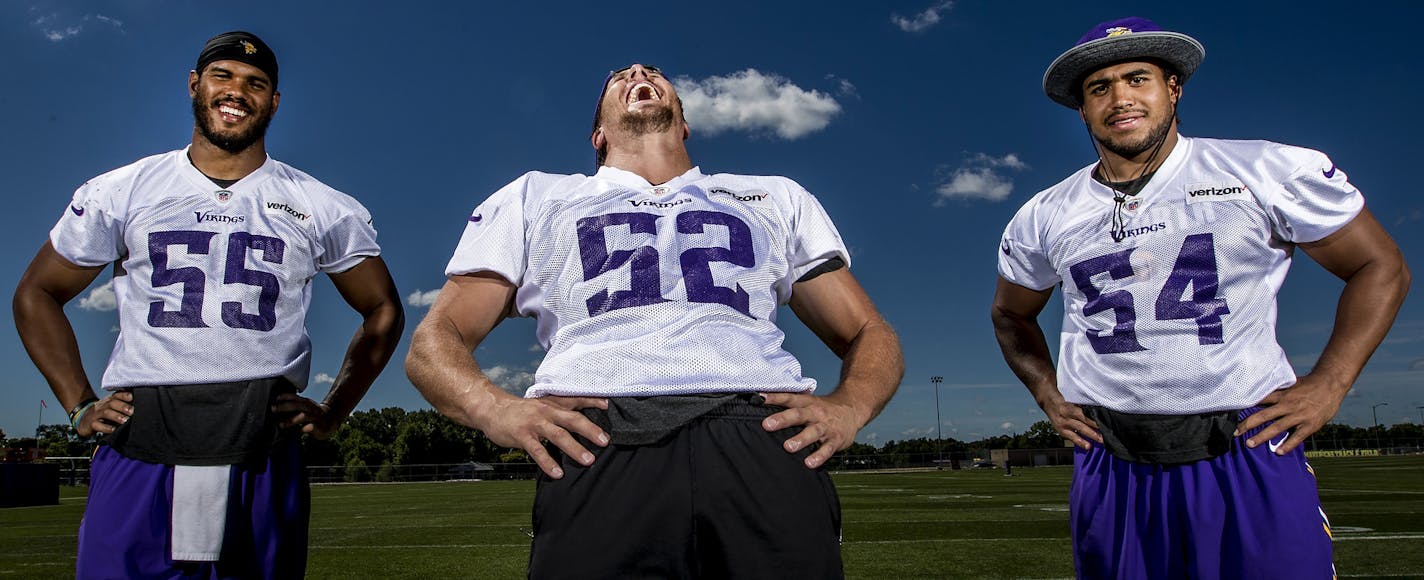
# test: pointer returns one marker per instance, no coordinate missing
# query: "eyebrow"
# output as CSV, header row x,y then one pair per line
x,y
1107,79
261,78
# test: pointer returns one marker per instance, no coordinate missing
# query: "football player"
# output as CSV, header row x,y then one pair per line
x,y
213,249
1170,250
683,440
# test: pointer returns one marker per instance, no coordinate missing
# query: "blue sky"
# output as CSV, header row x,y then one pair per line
x,y
921,127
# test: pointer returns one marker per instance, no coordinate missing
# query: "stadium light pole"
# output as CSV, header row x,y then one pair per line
x,y
1374,409
939,429
1421,415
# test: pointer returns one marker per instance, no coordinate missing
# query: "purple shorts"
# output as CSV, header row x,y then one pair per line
x,y
125,530
1246,514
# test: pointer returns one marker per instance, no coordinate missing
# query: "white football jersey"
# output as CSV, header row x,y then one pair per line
x,y
212,283
1179,317
644,290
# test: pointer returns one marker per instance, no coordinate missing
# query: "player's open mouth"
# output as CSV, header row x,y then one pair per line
x,y
643,91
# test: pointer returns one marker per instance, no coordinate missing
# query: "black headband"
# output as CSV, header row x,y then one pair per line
x,y
242,47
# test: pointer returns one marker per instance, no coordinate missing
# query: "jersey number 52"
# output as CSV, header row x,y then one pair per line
x,y
1195,266
695,263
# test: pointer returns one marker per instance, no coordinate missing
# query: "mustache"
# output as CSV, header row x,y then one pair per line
x,y
1125,110
239,101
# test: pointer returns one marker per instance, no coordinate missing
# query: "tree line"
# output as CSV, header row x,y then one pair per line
x,y
370,442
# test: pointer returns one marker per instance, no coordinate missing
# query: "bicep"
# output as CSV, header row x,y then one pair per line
x,y
835,307
1017,301
471,305
367,285
1361,242
52,274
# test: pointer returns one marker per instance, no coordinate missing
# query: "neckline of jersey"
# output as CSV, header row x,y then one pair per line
x,y
201,180
635,181
1164,174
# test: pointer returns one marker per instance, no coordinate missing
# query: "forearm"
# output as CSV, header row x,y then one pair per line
x,y
442,368
871,370
366,356
49,339
1366,310
1025,350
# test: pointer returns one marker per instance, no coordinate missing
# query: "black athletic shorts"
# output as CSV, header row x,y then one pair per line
x,y
719,498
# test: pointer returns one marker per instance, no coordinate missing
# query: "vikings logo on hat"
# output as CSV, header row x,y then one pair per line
x,y
1119,31
248,47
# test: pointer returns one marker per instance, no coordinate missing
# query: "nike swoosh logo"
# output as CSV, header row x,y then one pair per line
x,y
1329,173
1276,444
477,217
79,211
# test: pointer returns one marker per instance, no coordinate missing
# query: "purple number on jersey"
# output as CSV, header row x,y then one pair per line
x,y
190,310
1117,265
697,262
593,251
1196,265
237,272
646,287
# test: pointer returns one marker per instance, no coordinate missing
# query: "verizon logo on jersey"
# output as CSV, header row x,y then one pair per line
x,y
1228,191
753,195
279,207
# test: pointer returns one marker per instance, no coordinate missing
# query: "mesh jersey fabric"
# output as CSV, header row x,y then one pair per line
x,y
642,290
1180,316
212,284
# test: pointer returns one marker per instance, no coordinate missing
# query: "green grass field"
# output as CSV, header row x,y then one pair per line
x,y
951,524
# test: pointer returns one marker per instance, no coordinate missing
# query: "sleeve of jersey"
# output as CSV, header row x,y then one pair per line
x,y
351,239
1022,260
89,233
494,238
814,237
1315,201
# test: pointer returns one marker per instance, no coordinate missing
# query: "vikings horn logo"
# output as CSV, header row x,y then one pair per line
x,y
248,47
1119,31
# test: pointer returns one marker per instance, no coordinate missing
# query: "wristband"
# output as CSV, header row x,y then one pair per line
x,y
79,410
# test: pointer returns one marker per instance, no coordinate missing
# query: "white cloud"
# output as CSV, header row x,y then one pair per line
x,y
57,35
756,103
536,348
101,299
1006,425
511,379
844,87
1010,161
56,32
1416,365
923,20
981,176
420,299
925,432
323,378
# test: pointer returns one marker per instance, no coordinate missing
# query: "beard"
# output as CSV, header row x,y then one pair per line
x,y
231,142
1129,148
655,120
